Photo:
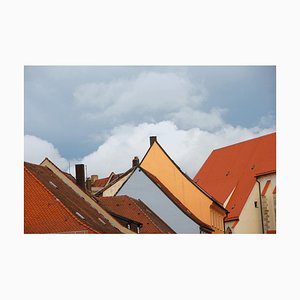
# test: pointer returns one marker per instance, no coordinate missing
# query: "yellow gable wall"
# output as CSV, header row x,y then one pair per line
x,y
158,164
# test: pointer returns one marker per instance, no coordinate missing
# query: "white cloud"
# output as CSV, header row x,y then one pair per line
x,y
36,149
188,148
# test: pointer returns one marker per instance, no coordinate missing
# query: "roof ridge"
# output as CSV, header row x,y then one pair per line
x,y
144,213
190,214
246,141
185,175
55,198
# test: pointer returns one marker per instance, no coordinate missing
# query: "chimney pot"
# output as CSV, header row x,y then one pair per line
x,y
94,178
135,161
152,140
80,176
88,184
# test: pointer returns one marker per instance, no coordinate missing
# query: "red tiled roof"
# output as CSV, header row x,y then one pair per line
x,y
274,191
100,182
44,213
235,167
75,204
265,188
137,211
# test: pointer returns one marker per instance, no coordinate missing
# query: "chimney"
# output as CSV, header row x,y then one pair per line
x,y
80,176
152,140
88,184
135,161
94,178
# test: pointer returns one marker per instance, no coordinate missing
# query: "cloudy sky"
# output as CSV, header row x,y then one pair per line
x,y
103,116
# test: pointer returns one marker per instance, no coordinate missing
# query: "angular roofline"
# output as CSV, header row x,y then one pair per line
x,y
63,206
116,180
256,138
181,207
138,203
185,175
265,173
90,200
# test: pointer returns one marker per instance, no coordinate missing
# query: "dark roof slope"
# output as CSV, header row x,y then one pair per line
x,y
136,210
71,200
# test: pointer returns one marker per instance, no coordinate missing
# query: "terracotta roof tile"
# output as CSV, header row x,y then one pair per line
x,y
100,182
236,167
44,213
76,205
266,188
137,211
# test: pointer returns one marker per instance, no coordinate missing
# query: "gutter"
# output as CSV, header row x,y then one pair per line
x,y
260,201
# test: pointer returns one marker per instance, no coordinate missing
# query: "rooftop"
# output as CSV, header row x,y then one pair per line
x,y
76,205
233,169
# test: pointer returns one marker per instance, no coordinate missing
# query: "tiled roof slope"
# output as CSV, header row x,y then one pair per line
x,y
100,182
233,168
70,199
137,211
43,213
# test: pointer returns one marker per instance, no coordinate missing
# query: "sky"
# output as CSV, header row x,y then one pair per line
x,y
102,116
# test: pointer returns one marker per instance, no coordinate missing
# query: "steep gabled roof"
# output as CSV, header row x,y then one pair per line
x,y
236,167
136,210
176,201
44,213
85,195
75,204
115,179
195,199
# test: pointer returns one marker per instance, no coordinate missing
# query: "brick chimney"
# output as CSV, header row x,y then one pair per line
x,y
94,178
135,161
152,140
88,184
80,176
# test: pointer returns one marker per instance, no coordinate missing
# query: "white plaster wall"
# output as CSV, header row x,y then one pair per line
x,y
112,190
250,218
139,186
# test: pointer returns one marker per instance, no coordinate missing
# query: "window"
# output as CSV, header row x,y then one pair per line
x,y
255,204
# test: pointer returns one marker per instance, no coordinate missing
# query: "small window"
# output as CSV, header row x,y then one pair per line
x,y
255,204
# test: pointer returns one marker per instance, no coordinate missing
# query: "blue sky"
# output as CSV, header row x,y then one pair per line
x,y
74,114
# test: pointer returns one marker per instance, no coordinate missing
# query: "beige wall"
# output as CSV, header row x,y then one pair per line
x,y
112,190
250,218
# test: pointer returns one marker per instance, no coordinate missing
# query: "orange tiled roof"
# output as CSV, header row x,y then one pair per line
x,y
75,205
265,188
234,168
136,210
100,182
44,213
